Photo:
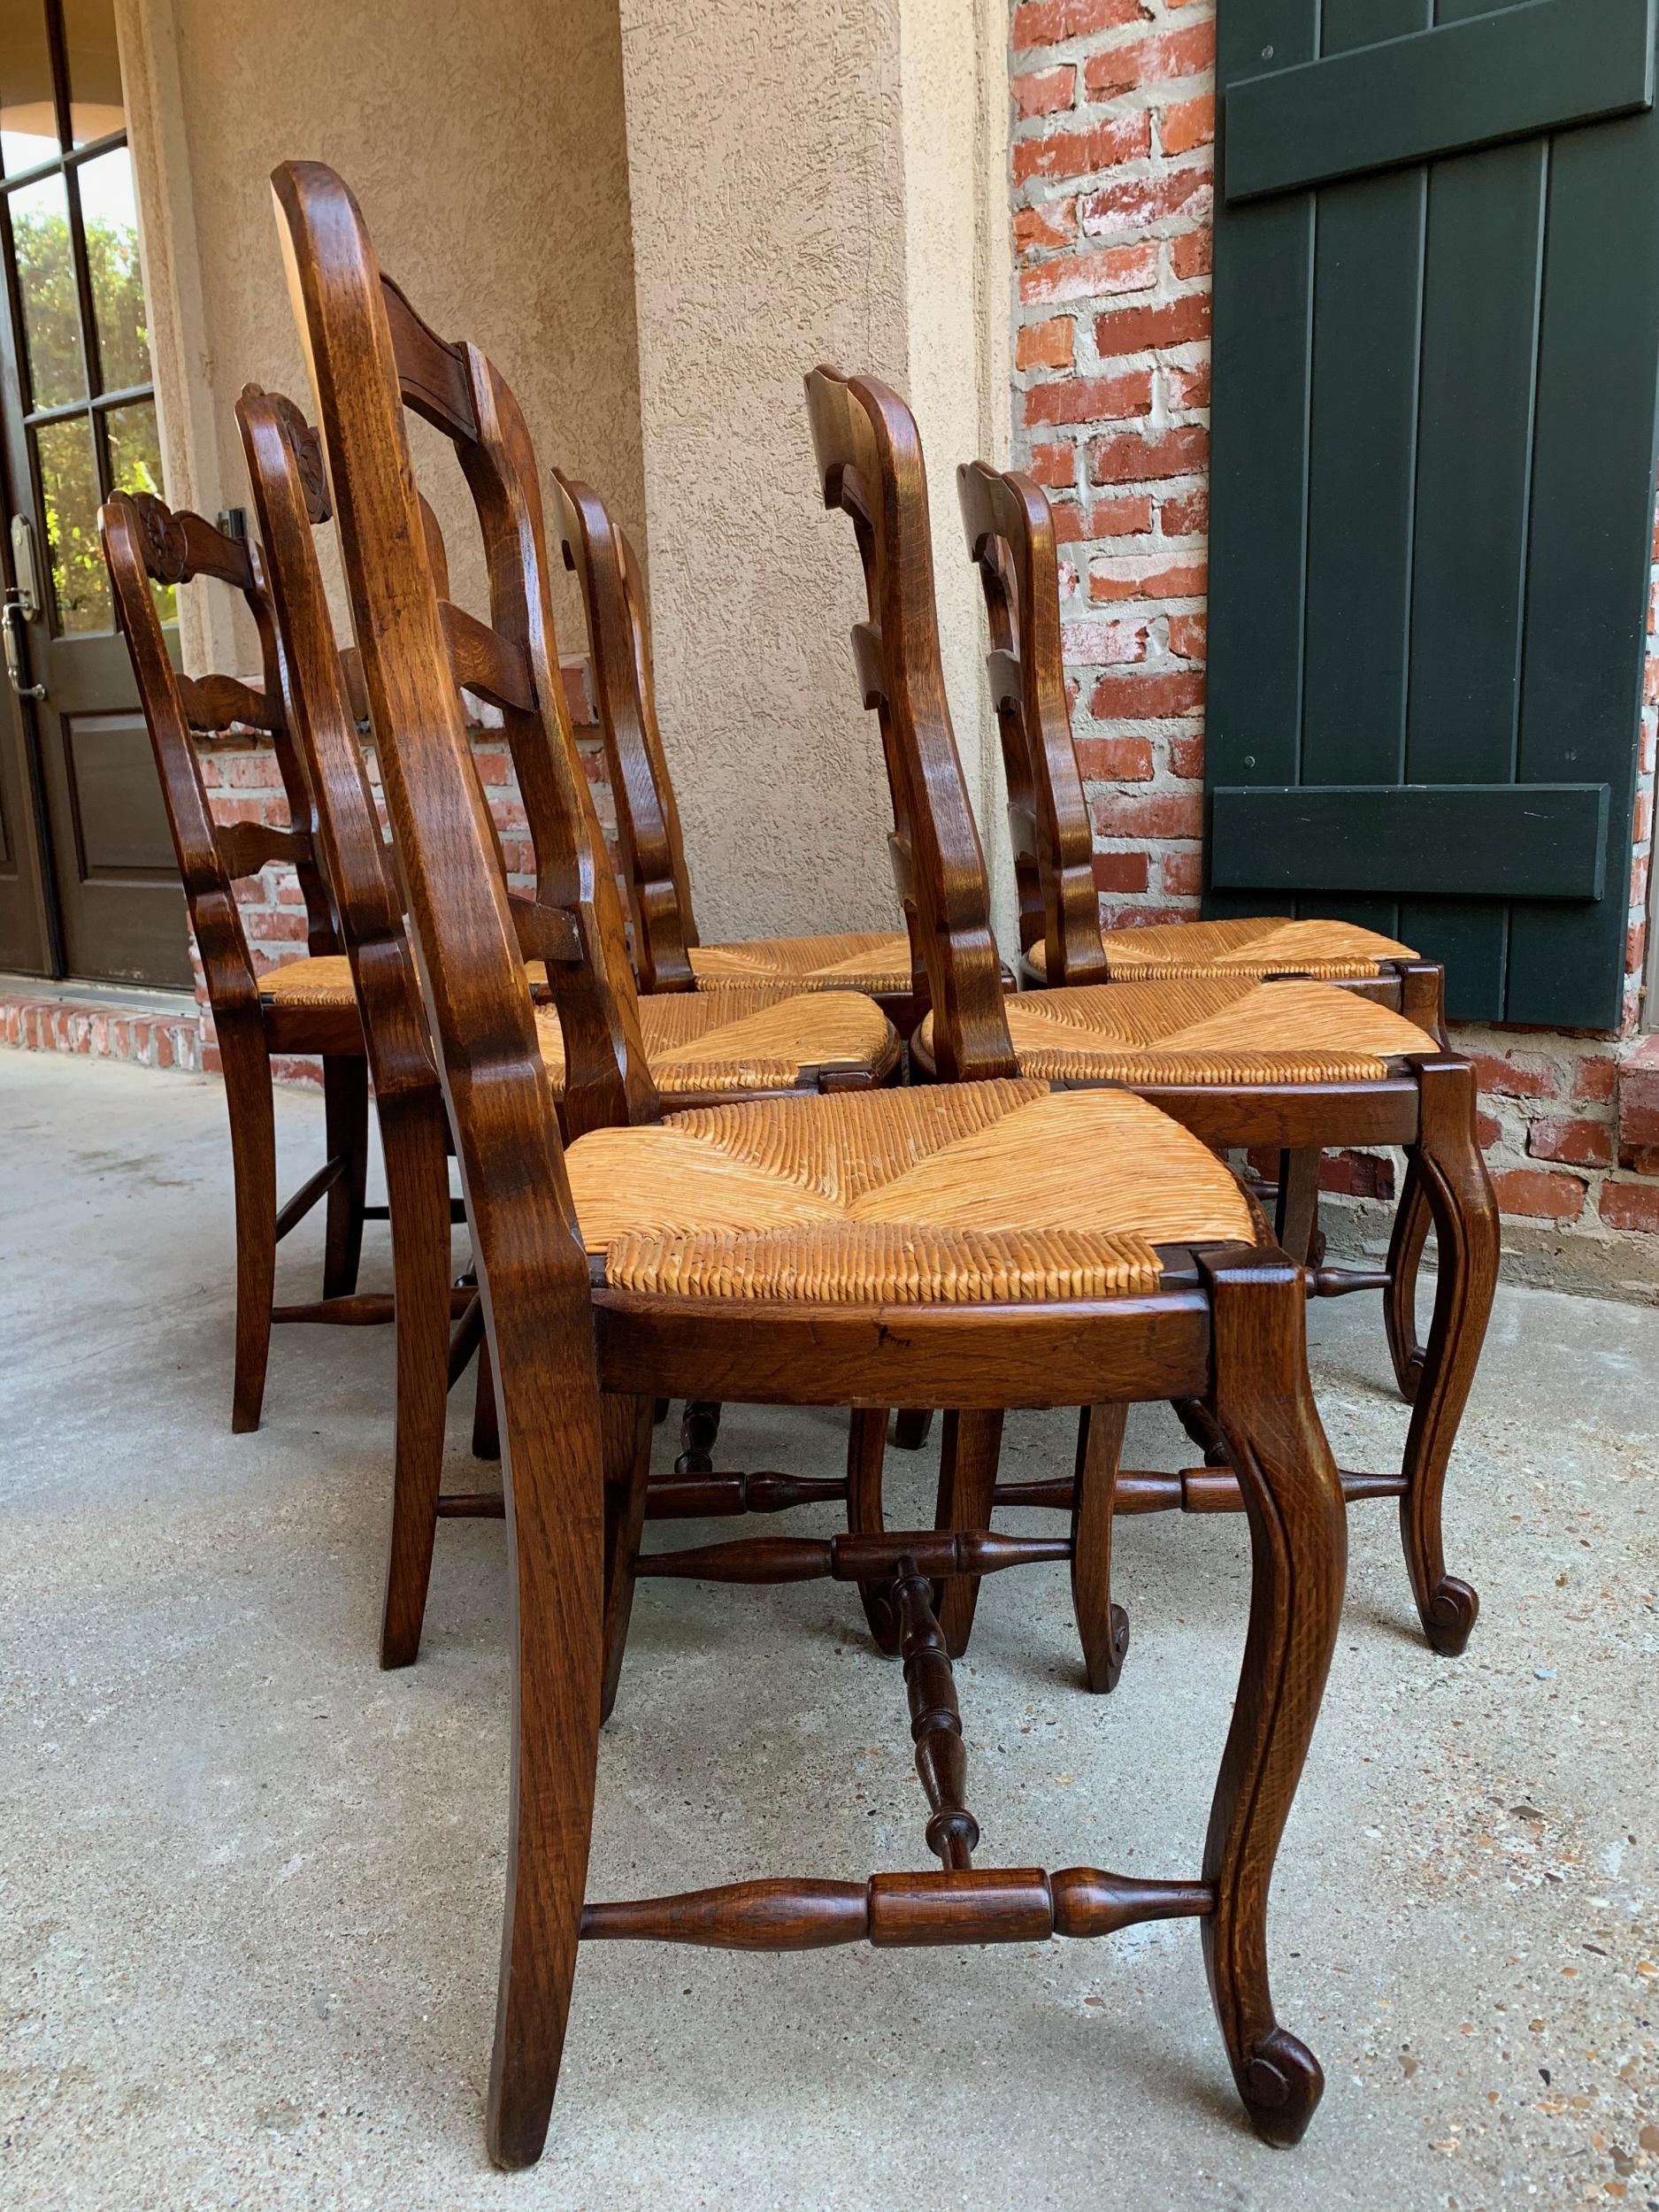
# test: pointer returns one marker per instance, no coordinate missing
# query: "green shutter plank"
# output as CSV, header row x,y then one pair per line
x,y
1436,390
1511,73
1367,289
1485,236
1489,841
1258,494
1592,539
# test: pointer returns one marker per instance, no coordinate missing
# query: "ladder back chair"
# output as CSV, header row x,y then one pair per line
x,y
1013,545
716,1066
922,1248
1296,1065
668,954
305,1006
1009,527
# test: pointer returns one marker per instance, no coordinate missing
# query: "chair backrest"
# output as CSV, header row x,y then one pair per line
x,y
144,540
869,460
290,496
367,356
625,690
512,661
1011,541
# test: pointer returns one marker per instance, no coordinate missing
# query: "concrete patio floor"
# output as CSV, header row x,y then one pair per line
x,y
252,1885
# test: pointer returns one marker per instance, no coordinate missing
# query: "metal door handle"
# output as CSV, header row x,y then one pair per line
x,y
11,614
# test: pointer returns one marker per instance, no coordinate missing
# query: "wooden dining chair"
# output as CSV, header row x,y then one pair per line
x,y
668,954
700,1051
975,1246
1297,1065
1012,543
307,1005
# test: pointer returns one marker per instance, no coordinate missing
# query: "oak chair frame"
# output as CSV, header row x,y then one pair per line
x,y
872,467
324,701
598,550
144,540
1012,542
577,1364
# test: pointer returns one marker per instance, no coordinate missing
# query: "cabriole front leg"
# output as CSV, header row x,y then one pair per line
x,y
1292,1496
1460,1200
1412,1223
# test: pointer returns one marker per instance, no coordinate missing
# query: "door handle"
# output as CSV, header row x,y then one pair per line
x,y
11,615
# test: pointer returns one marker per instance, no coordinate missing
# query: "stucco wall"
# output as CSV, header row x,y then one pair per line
x,y
488,150
796,197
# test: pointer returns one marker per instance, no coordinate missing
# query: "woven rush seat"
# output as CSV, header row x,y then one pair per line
x,y
752,1039
878,962
1332,952
968,1194
1216,1031
322,982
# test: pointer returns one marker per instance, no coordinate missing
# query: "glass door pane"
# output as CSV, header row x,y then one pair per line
x,y
69,494
109,218
96,106
28,112
44,253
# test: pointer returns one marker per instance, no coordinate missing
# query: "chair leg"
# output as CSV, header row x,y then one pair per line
x,y
417,1200
485,1431
1297,1211
1299,1549
346,1119
553,1460
911,1428
866,1450
1413,1220
246,1066
969,1446
625,1425
699,1426
1103,1626
1465,1209
1193,1416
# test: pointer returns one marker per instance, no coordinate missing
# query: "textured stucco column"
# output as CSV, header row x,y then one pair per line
x,y
488,150
817,186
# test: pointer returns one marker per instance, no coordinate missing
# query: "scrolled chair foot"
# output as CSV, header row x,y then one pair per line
x,y
1103,1669
1281,2083
1450,1615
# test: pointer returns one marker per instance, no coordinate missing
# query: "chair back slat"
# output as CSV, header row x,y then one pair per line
x,y
1011,541
289,499
453,386
870,461
648,818
144,541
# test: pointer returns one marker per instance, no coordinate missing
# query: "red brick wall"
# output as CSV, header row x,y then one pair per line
x,y
1112,174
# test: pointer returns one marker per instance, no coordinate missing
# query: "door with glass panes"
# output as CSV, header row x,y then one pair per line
x,y
88,885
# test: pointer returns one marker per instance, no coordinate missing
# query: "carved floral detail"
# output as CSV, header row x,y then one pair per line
x,y
166,547
307,449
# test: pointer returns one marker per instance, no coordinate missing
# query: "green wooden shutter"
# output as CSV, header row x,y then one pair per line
x,y
1436,392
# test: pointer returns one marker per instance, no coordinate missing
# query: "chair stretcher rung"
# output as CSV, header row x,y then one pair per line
x,y
975,1905
713,1497
1193,1490
310,1191
937,1553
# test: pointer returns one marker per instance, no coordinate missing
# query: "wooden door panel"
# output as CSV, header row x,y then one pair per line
x,y
77,420
123,908
120,822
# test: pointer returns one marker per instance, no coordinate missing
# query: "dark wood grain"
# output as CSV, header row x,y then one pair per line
x,y
870,466
143,539
579,1366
